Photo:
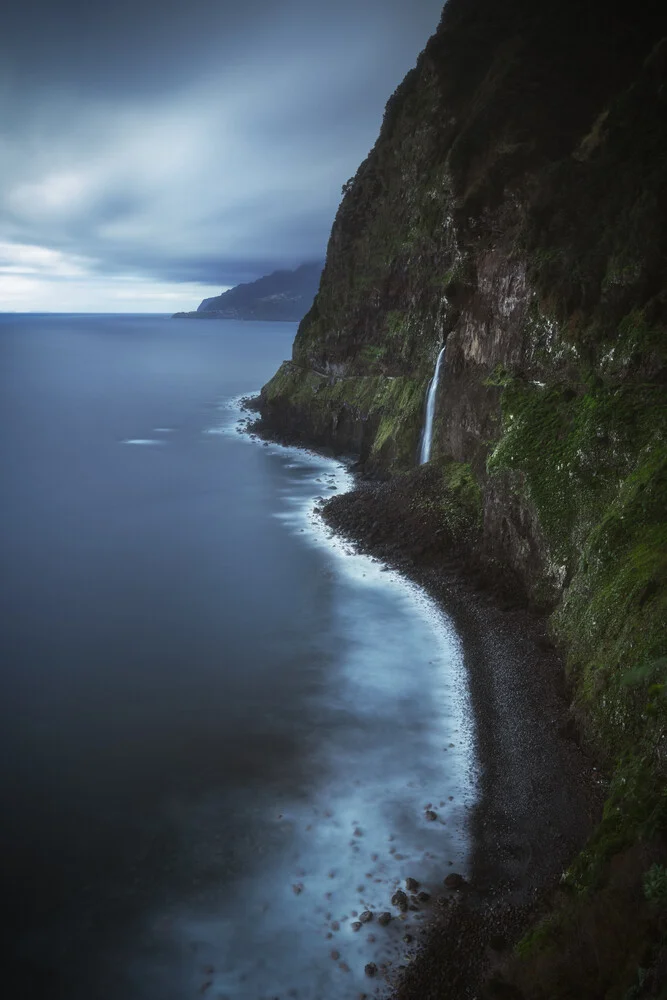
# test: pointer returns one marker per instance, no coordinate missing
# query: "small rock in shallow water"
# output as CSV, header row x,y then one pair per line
x,y
400,900
384,918
366,917
356,926
423,897
297,888
371,969
411,884
335,955
430,815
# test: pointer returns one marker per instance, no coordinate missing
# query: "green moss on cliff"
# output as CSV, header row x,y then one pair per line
x,y
461,501
592,461
389,409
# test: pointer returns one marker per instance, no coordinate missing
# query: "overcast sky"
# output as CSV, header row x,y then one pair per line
x,y
153,152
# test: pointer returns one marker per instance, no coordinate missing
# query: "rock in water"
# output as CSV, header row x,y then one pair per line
x,y
400,900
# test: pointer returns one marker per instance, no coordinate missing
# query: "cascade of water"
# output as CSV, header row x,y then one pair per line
x,y
427,433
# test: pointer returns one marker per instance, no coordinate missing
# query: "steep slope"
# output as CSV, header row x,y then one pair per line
x,y
281,295
513,209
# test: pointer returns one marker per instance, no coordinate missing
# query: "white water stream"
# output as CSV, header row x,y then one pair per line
x,y
427,433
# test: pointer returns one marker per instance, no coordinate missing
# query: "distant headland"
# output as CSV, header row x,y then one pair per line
x,y
282,295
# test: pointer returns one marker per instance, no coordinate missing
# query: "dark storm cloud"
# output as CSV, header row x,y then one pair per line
x,y
203,141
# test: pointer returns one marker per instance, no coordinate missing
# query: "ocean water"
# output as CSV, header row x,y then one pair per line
x,y
220,728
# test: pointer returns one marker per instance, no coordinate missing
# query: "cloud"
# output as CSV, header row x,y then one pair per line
x,y
225,159
39,279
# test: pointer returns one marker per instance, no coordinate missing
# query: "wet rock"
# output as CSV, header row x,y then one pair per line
x,y
366,917
384,918
371,969
430,815
400,900
455,881
356,926
423,897
411,884
335,955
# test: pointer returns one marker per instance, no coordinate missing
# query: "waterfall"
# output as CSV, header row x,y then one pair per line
x,y
427,433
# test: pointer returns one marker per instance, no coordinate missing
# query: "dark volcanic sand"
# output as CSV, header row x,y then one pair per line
x,y
539,791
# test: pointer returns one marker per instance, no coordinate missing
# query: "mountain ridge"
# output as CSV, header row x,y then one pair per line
x,y
284,295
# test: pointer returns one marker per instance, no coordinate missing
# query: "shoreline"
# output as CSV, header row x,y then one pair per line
x,y
539,793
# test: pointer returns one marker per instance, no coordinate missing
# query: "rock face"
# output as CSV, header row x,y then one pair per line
x,y
282,295
513,208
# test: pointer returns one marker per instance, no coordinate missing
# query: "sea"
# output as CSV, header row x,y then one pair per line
x,y
224,734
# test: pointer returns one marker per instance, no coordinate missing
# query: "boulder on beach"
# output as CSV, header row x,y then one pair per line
x,y
455,881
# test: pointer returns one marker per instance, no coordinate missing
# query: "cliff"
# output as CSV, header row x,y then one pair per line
x,y
280,296
513,209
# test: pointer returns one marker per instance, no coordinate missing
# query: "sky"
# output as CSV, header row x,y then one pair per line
x,y
155,152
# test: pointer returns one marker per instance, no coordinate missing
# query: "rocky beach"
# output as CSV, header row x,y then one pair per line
x,y
539,791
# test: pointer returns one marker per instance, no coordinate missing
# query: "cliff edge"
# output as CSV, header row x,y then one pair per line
x,y
512,211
